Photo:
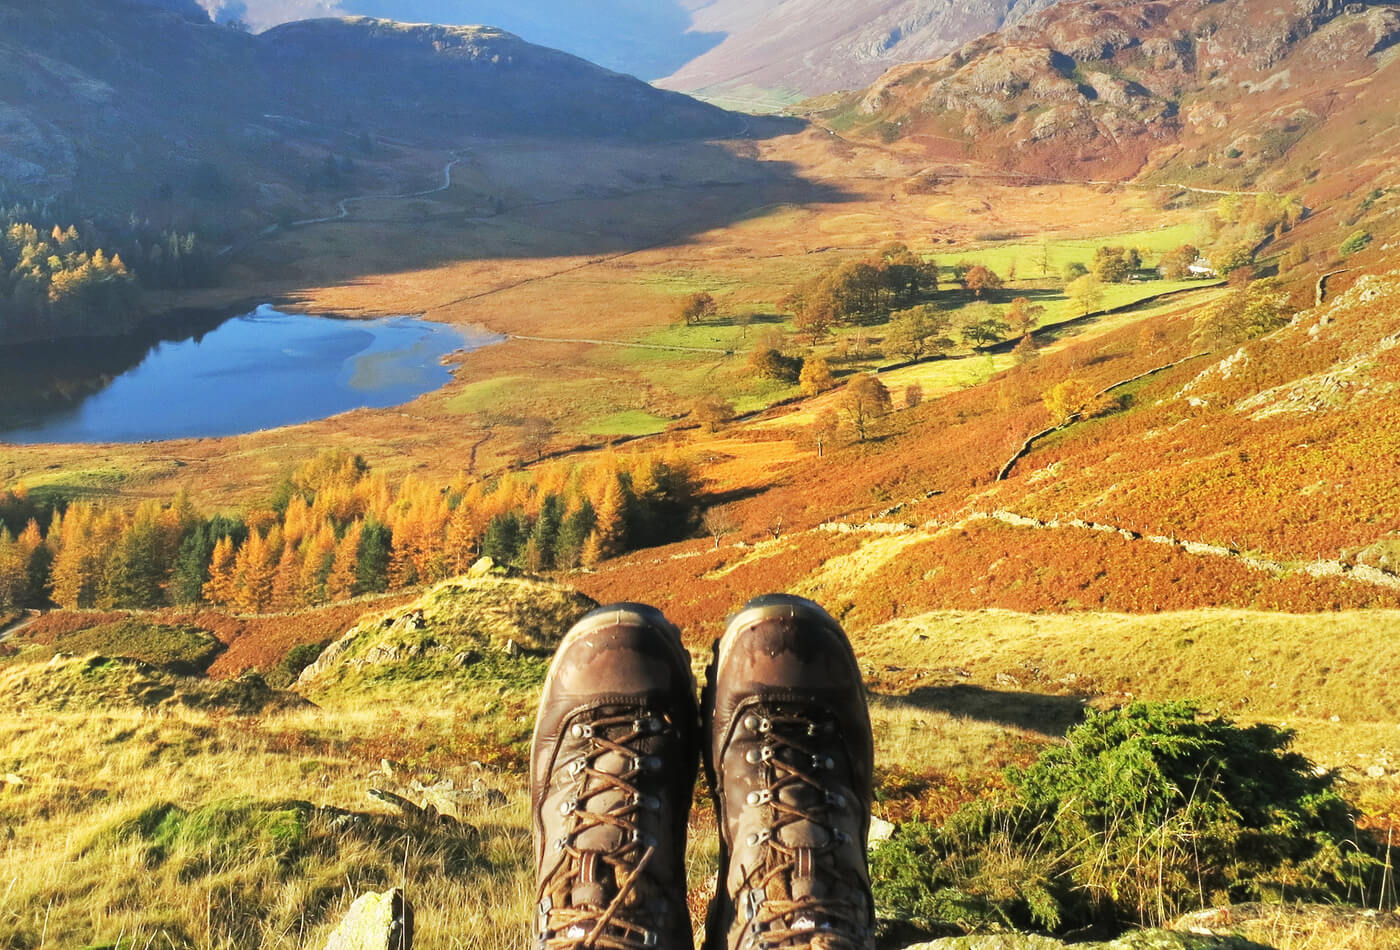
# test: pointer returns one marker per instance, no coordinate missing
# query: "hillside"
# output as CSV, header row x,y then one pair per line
x,y
1248,94
778,51
129,105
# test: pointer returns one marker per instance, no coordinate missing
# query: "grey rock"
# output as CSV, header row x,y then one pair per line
x,y
376,921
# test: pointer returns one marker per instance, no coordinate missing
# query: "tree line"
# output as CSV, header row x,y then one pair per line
x,y
335,529
61,279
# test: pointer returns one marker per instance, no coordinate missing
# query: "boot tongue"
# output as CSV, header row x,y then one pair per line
x,y
604,837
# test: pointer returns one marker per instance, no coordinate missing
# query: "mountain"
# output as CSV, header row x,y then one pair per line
x,y
792,49
116,102
1240,94
646,38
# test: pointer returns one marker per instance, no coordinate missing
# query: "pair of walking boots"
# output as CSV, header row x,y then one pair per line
x,y
786,743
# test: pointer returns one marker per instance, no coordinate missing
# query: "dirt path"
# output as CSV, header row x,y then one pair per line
x,y
29,617
343,208
1321,567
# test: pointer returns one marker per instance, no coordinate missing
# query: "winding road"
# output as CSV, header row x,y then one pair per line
x,y
343,207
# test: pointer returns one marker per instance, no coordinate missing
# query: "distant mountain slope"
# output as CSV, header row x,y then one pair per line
x,y
1234,93
120,100
645,38
809,47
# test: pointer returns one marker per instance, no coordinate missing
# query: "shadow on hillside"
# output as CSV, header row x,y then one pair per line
x,y
1035,712
526,199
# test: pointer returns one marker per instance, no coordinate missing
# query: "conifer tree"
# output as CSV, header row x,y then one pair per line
x,y
220,587
191,571
342,583
372,572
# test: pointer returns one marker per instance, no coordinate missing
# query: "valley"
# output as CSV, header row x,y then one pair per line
x,y
1061,429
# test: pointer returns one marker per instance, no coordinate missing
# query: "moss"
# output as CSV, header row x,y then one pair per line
x,y
184,650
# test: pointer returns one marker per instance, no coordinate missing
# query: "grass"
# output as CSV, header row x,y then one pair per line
x,y
628,422
178,649
1026,256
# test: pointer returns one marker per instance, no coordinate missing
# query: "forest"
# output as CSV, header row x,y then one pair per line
x,y
334,530
59,279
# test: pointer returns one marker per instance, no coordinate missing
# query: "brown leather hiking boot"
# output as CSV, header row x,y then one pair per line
x,y
790,756
612,769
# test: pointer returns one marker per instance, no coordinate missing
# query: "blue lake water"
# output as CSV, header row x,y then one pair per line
x,y
255,371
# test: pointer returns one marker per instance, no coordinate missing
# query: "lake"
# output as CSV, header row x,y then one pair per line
x,y
219,376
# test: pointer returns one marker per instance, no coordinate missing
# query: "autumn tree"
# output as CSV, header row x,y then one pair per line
x,y
917,331
984,326
1085,294
772,363
1241,314
824,429
1075,399
1023,315
1176,264
1293,258
979,279
341,581
697,307
711,412
1025,351
14,574
816,376
913,395
864,401
1114,265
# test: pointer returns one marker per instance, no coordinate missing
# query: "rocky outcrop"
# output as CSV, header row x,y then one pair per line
x,y
376,921
447,631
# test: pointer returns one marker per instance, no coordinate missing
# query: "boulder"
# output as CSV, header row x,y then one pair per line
x,y
376,921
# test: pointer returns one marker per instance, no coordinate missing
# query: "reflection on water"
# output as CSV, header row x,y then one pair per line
x,y
221,377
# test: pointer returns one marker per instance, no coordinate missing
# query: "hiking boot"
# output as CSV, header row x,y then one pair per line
x,y
612,769
789,754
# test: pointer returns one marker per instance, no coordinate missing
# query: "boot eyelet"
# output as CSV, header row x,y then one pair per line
x,y
765,725
560,844
758,837
753,756
761,797
577,766
649,939
751,723
766,753
836,799
582,730
820,762
840,836
568,807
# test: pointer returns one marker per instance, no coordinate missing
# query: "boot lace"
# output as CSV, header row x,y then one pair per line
x,y
621,801
831,912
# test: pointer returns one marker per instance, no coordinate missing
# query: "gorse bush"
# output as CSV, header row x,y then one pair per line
x,y
1143,813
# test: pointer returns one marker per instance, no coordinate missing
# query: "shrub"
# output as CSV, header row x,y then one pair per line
x,y
1356,242
770,363
1143,813
179,649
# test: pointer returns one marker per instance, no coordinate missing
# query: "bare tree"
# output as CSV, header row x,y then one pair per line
x,y
718,520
